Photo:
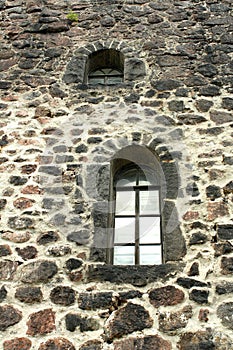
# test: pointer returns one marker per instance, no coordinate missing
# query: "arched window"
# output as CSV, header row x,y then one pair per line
x,y
105,67
137,237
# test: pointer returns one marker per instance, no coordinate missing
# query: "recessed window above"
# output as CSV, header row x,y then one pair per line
x,y
105,67
105,76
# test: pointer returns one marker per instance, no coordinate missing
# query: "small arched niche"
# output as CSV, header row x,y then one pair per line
x,y
105,67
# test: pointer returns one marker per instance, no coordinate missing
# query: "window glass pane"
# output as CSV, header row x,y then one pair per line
x,y
95,80
149,202
125,203
149,230
124,256
150,255
124,230
114,80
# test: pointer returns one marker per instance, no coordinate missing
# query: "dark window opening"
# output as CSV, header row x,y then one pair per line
x,y
105,67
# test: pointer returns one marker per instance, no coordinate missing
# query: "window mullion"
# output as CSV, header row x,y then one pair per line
x,y
137,261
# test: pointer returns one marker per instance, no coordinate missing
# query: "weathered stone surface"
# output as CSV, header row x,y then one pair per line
x,y
41,322
101,300
203,105
223,248
166,296
29,295
163,85
3,293
48,237
198,238
16,237
73,264
170,322
23,203
136,275
84,323
59,250
227,265
199,296
225,231
57,344
27,253
20,223
62,295
17,180
8,269
194,269
225,313
17,344
227,103
224,287
198,340
213,192
190,282
92,345
217,209
143,343
126,320
9,316
191,119
131,294
228,188
220,117
203,315
38,271
5,250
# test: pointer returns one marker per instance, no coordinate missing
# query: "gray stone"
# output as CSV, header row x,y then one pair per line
x,y
170,322
225,231
198,238
227,103
191,119
93,301
40,271
210,90
62,295
189,283
224,288
9,316
163,85
199,296
225,312
8,269
29,295
3,293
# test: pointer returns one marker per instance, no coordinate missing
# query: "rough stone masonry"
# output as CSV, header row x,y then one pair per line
x,y
57,138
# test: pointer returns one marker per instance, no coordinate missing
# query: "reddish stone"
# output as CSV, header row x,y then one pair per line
x,y
16,237
166,296
42,111
21,114
7,270
216,209
128,319
197,340
27,253
17,344
30,189
92,345
170,322
203,315
191,215
23,203
9,316
5,250
57,344
28,169
41,322
75,276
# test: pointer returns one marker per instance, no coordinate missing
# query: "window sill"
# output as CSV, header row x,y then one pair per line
x,y
138,276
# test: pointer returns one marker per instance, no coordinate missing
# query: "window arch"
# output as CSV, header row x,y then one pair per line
x,y
105,67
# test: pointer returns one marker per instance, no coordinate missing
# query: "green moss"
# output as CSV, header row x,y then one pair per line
x,y
72,16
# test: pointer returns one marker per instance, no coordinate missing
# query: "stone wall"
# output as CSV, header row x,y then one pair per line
x,y
57,139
